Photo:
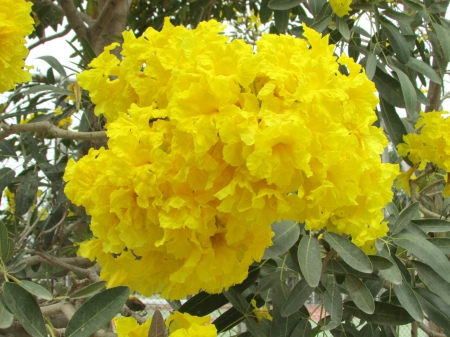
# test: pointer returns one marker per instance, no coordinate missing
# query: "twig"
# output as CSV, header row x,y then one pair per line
x,y
429,332
64,32
103,18
429,213
75,261
55,226
50,128
425,189
75,20
28,229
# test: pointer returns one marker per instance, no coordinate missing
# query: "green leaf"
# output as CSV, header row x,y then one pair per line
x,y
281,326
6,176
398,16
265,12
282,5
397,41
409,93
25,309
360,294
203,303
3,242
286,234
394,126
392,274
436,309
157,327
26,193
55,64
281,20
444,39
371,65
442,243
332,301
45,87
34,148
7,150
302,329
389,88
297,298
408,300
343,28
380,263
6,317
433,225
349,252
9,251
87,49
89,290
385,314
424,69
309,258
412,4
433,280
405,217
425,251
36,289
97,311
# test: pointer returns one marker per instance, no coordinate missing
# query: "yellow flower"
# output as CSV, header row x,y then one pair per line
x,y
185,325
262,313
341,7
15,24
129,327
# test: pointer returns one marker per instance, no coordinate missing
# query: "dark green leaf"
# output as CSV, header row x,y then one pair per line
x,y
408,300
3,242
413,5
6,176
315,6
380,263
424,69
281,326
385,314
286,234
55,64
309,258
9,251
36,289
302,329
433,225
46,87
360,294
444,39
97,311
425,251
25,309
26,193
392,274
371,65
34,148
332,301
343,28
7,150
442,243
397,41
88,51
433,280
157,327
394,126
281,20
89,290
349,252
297,298
398,16
389,88
203,303
409,93
405,217
284,4
321,23
6,317
265,12
437,310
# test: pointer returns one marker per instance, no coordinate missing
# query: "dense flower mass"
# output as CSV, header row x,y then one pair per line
x,y
185,325
15,24
129,327
430,145
341,7
210,143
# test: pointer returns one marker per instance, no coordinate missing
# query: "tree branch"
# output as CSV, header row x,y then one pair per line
x,y
430,332
103,18
75,261
50,128
74,18
49,3
64,32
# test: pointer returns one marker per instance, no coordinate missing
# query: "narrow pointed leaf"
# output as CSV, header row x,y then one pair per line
x,y
444,39
3,242
89,290
371,65
349,252
302,329
408,300
97,311
309,258
284,4
437,310
425,251
296,298
6,176
442,243
157,327
55,64
36,289
405,218
380,263
389,88
281,20
397,41
360,294
409,93
286,235
433,225
392,274
433,280
332,301
343,28
424,69
385,314
281,326
25,309
26,192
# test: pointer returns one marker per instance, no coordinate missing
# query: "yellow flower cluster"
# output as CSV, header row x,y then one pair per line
x,y
15,24
185,325
210,143
341,7
129,327
431,145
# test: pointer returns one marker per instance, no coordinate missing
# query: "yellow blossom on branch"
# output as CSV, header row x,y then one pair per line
x,y
186,325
